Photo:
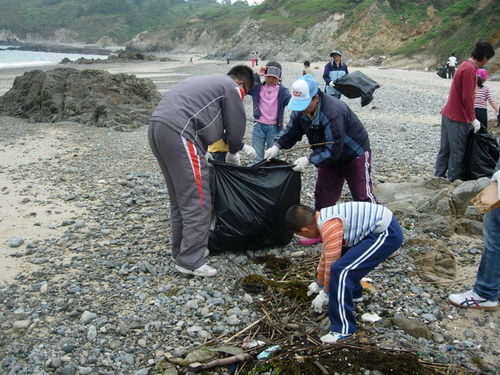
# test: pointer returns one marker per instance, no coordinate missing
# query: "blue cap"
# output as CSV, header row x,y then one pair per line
x,y
303,90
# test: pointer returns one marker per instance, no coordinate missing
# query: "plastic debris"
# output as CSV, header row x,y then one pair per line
x,y
252,344
266,353
370,317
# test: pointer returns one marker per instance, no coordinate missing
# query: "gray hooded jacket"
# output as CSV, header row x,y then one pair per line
x,y
201,108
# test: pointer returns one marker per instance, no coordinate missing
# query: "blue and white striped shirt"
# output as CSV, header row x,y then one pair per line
x,y
359,219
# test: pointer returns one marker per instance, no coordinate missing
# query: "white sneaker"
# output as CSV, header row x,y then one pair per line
x,y
356,300
471,300
204,271
333,337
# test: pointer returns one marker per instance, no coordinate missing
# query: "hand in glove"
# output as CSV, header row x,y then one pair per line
x,y
313,288
249,151
209,156
233,158
476,125
331,84
271,152
300,165
496,177
320,301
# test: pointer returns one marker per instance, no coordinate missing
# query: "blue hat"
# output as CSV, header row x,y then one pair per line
x,y
303,90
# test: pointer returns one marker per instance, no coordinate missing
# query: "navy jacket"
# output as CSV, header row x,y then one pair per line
x,y
334,122
283,99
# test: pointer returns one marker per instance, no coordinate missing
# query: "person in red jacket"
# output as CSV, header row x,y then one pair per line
x,y
458,115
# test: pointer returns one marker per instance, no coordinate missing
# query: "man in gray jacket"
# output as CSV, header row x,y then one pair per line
x,y
192,115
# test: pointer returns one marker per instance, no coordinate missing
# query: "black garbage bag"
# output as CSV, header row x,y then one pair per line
x,y
442,71
250,205
357,85
481,156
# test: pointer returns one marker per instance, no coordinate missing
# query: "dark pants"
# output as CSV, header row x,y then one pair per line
x,y
450,159
451,72
331,180
347,272
482,117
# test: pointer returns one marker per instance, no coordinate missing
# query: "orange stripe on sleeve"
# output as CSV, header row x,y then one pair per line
x,y
332,233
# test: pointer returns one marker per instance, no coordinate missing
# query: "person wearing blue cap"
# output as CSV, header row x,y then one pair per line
x,y
339,143
333,71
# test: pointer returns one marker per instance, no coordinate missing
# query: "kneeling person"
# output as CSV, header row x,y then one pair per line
x,y
357,236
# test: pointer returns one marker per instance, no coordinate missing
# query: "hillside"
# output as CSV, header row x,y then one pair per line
x,y
409,32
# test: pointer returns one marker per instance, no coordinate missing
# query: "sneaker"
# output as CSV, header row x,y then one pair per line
x,y
356,300
471,300
333,337
304,241
203,271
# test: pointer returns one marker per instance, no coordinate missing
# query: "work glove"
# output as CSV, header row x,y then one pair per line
x,y
300,165
271,152
233,158
496,177
320,301
249,151
476,125
313,288
331,84
209,156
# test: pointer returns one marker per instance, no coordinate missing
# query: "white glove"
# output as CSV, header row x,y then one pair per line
x,y
249,151
476,125
209,156
320,301
300,165
313,288
271,152
233,158
496,177
331,84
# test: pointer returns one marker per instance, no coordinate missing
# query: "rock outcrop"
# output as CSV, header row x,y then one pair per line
x,y
92,97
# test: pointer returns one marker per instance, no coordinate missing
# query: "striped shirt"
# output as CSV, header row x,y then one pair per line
x,y
483,96
347,224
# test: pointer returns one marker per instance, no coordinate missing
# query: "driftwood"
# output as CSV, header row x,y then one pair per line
x,y
197,367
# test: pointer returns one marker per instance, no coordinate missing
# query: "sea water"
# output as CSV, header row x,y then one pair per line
x,y
16,58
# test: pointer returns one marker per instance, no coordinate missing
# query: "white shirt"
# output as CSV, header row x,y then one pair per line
x,y
452,61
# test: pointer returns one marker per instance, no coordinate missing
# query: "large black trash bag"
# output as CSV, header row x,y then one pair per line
x,y
250,205
355,85
481,156
442,71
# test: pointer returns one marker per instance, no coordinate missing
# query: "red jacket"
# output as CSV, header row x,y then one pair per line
x,y
460,104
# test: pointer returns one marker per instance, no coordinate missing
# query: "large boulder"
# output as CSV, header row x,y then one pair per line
x,y
91,97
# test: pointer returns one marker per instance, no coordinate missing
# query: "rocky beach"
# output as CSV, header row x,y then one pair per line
x,y
87,284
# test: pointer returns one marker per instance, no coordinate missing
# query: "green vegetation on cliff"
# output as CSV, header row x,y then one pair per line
x,y
458,24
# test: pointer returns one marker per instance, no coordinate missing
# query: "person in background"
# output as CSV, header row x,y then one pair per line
x,y
482,98
333,71
484,295
307,68
229,56
257,57
451,64
339,142
458,116
269,101
181,127
357,236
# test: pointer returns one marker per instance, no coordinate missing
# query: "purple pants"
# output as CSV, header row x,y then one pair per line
x,y
331,180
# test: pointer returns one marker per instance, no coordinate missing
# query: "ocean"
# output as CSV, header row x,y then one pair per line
x,y
17,59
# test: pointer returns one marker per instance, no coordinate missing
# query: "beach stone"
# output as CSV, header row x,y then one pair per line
x,y
87,316
21,325
413,327
16,242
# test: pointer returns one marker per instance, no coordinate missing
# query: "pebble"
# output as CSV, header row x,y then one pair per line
x,y
16,242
